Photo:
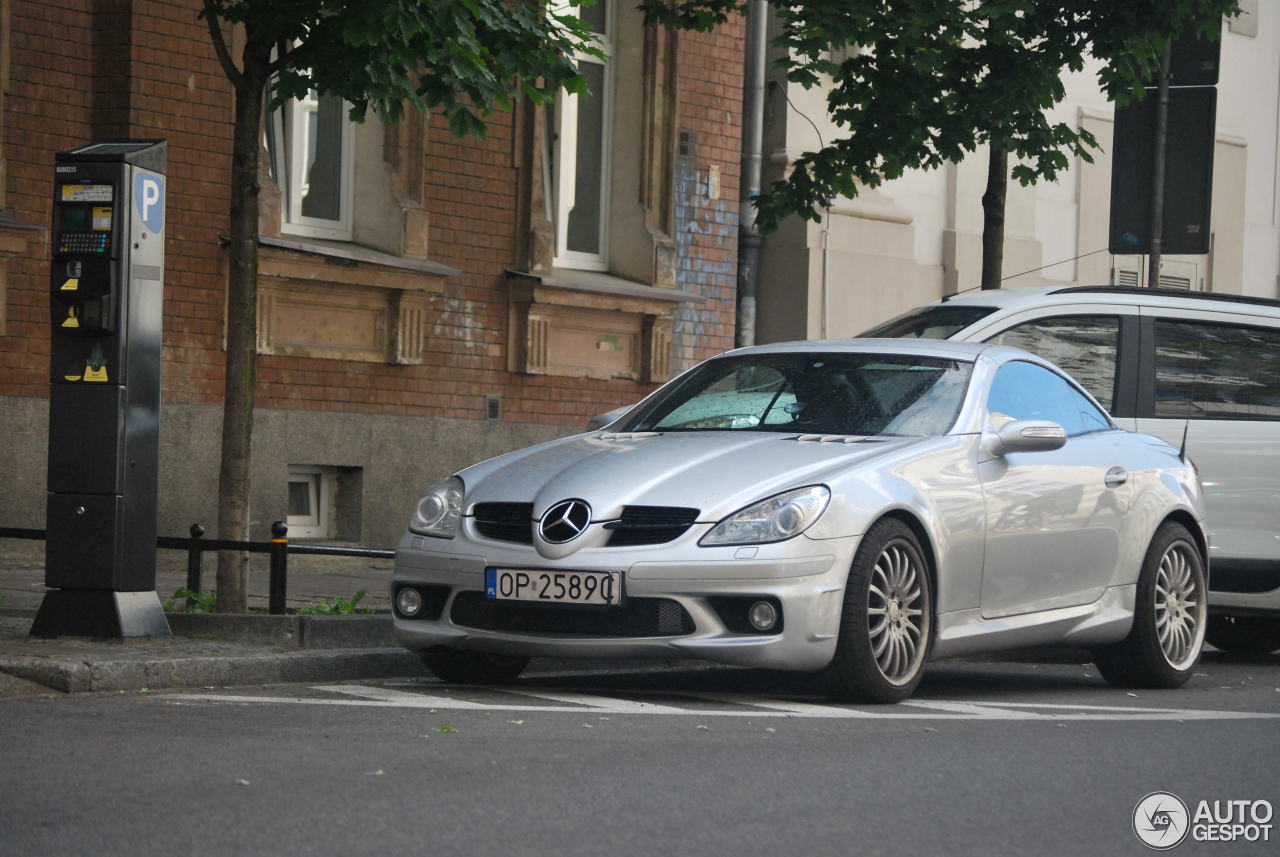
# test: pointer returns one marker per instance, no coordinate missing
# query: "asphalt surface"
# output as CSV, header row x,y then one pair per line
x,y
990,758
316,735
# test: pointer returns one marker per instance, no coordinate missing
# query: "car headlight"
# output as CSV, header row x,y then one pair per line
x,y
775,519
439,510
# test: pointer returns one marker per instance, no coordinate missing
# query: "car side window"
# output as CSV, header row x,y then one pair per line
x,y
1085,346
1025,391
1216,371
1091,417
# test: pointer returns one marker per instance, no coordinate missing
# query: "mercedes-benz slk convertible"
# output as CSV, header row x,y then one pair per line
x,y
855,508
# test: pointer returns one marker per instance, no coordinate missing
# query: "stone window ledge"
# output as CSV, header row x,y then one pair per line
x,y
344,251
14,234
586,324
340,301
597,283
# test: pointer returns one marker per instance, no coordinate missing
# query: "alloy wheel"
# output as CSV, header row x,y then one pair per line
x,y
897,623
1179,606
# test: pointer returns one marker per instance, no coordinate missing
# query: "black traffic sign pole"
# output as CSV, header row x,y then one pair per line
x,y
106,309
1158,166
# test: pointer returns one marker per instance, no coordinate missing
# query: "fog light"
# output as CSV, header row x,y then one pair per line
x,y
408,601
763,615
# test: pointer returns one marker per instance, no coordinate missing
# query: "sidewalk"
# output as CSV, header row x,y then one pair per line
x,y
206,649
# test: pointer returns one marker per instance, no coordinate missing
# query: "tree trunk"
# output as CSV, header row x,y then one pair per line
x,y
993,217
242,330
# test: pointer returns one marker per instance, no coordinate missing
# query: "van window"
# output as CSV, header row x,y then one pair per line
x,y
1084,346
938,321
1216,371
1025,391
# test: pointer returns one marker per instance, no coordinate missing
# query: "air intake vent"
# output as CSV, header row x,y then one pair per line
x,y
506,522
637,617
650,525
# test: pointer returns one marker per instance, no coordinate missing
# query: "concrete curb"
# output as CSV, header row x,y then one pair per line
x,y
361,631
95,675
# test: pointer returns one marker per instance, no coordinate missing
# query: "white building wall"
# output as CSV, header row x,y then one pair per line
x,y
917,238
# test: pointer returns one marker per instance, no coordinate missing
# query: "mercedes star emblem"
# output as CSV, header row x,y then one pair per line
x,y
564,521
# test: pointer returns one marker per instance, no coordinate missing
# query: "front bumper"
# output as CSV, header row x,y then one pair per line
x,y
680,601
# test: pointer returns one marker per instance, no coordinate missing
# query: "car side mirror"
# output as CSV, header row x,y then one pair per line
x,y
1024,436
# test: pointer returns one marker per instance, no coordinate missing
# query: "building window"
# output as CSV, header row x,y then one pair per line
x,y
311,145
579,156
311,495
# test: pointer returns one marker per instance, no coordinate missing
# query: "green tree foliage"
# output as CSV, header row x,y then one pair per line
x,y
923,82
467,58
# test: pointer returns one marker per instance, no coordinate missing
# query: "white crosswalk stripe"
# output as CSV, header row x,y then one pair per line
x,y
447,697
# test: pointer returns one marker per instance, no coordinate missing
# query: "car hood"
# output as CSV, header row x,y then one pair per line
x,y
715,472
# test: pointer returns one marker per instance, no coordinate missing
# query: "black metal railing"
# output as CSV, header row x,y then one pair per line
x,y
197,545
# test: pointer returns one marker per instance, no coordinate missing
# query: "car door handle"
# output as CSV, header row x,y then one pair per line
x,y
1116,477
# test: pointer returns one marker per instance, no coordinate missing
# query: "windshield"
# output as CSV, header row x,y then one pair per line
x,y
937,321
812,393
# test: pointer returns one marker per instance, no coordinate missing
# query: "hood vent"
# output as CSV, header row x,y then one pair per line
x,y
835,438
627,435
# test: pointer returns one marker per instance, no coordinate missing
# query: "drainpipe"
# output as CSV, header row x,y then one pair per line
x,y
749,240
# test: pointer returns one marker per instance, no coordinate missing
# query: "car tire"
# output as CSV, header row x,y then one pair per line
x,y
886,626
1170,612
473,667
1244,635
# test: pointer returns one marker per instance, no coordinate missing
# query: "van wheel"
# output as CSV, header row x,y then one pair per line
x,y
472,667
1244,635
887,622
1169,617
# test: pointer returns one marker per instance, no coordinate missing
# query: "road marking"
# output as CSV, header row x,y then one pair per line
x,y
612,704
504,699
973,709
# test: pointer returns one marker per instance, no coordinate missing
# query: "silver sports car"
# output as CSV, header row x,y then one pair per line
x,y
855,508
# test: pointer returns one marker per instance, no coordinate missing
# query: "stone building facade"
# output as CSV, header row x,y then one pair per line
x,y
425,301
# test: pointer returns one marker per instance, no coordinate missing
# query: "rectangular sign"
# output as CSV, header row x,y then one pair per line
x,y
87,193
553,587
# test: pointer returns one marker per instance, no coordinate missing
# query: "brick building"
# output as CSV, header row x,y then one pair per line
x,y
425,301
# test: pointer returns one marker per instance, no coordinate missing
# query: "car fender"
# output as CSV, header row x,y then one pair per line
x,y
939,489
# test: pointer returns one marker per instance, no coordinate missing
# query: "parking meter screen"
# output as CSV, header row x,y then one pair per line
x,y
75,218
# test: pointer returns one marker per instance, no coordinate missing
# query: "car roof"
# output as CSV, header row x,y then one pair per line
x,y
1035,296
944,349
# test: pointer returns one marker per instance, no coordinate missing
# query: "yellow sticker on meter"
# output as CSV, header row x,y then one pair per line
x,y
102,218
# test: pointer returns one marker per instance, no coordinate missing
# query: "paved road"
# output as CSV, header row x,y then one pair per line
x,y
988,759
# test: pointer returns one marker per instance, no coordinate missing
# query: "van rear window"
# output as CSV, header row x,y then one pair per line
x,y
1216,371
938,321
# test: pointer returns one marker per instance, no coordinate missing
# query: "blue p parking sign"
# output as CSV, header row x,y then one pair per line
x,y
148,199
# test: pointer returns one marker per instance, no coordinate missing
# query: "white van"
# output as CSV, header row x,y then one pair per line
x,y
1198,370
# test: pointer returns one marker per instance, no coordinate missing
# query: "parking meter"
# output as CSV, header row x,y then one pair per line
x,y
106,308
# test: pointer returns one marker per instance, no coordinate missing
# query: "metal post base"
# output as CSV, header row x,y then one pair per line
x,y
100,613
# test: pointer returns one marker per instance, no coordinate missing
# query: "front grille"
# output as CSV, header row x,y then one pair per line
x,y
650,525
637,617
638,525
506,522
